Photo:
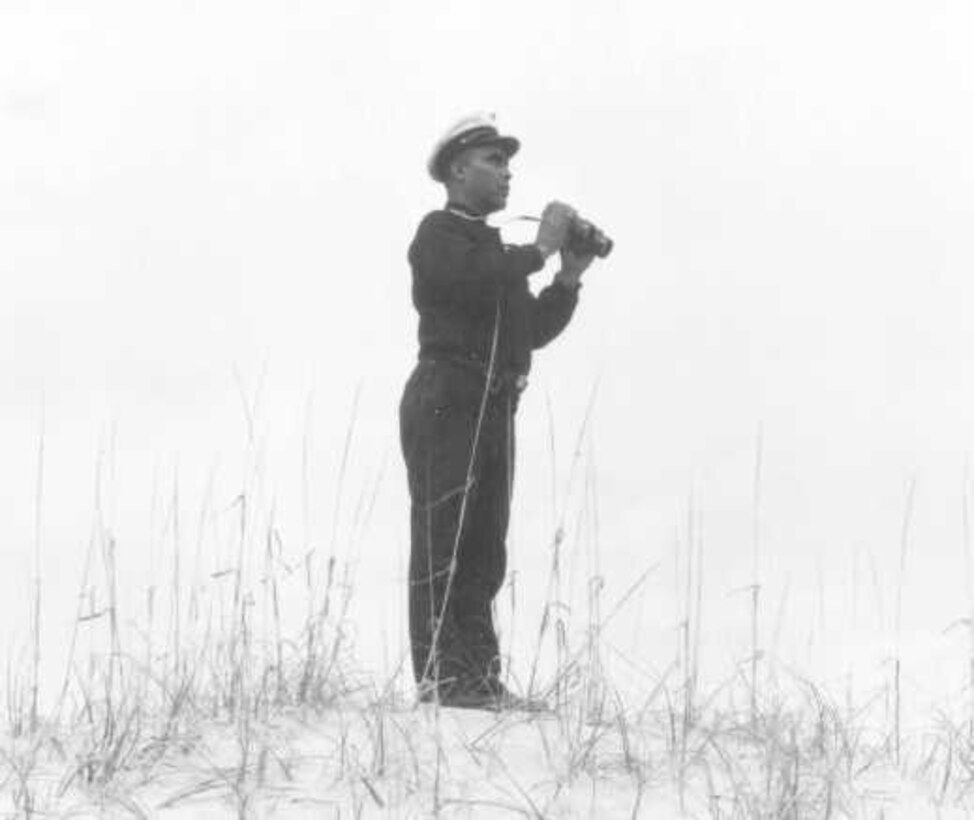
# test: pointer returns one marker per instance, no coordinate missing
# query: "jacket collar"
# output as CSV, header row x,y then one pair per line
x,y
465,212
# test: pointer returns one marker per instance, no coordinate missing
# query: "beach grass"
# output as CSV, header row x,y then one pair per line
x,y
235,691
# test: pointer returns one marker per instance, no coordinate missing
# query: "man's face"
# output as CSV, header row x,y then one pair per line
x,y
481,173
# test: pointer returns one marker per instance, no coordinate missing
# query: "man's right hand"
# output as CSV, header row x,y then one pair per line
x,y
556,221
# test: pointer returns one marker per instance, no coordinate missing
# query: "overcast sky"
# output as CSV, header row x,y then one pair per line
x,y
196,194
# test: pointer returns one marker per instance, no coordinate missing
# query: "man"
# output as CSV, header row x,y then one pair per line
x,y
478,324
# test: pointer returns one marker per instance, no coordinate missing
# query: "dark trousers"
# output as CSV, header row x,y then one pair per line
x,y
460,486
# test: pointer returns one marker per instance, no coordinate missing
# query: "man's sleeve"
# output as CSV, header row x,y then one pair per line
x,y
444,257
552,309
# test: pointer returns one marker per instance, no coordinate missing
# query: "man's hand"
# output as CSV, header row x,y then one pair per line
x,y
573,266
556,221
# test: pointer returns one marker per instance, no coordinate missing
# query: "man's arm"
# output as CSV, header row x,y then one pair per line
x,y
455,265
443,253
554,306
551,311
446,253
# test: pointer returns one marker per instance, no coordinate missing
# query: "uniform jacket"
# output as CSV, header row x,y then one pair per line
x,y
464,278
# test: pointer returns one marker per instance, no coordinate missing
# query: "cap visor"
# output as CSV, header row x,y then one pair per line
x,y
511,145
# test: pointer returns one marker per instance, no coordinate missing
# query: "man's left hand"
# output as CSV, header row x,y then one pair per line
x,y
573,265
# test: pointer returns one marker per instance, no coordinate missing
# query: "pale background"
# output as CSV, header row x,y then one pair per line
x,y
204,201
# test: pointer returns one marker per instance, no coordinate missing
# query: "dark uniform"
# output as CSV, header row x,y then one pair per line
x,y
477,319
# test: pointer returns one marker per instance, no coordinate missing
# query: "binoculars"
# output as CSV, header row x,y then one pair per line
x,y
584,239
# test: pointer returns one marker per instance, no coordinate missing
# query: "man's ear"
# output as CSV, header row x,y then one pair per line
x,y
457,168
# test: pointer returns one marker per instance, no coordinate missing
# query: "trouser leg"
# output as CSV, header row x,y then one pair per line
x,y
438,440
444,648
487,565
458,557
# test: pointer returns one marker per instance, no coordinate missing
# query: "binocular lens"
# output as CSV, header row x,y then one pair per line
x,y
590,240
605,246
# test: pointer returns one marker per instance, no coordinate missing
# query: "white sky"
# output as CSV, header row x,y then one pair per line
x,y
194,190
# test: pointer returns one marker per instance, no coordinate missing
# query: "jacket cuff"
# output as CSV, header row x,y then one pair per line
x,y
573,289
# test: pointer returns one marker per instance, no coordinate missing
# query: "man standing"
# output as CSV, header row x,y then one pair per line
x,y
478,323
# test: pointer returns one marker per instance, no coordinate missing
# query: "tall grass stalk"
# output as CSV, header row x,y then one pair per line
x,y
343,468
755,573
688,624
897,660
775,642
111,583
76,626
237,655
969,589
698,604
595,675
36,593
692,581
306,473
555,607
202,523
177,581
274,540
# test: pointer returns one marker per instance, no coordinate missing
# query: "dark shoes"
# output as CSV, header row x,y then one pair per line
x,y
496,698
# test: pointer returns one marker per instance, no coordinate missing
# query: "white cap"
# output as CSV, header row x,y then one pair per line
x,y
474,129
